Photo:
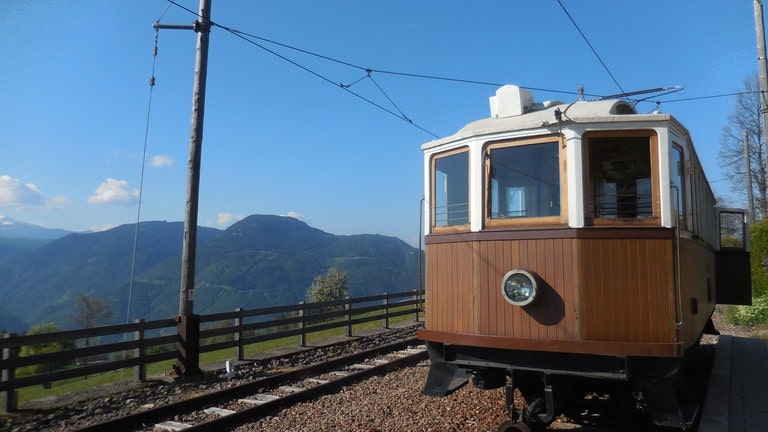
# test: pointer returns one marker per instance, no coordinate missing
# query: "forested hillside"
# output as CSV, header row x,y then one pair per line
x,y
260,261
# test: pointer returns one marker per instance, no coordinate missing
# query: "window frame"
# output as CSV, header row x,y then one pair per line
x,y
434,228
682,217
561,219
653,144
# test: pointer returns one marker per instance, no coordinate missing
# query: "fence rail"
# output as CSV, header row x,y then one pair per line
x,y
139,344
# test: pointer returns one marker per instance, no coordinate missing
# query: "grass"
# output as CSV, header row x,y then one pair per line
x,y
81,384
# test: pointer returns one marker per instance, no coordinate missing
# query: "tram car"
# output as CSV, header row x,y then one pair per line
x,y
571,244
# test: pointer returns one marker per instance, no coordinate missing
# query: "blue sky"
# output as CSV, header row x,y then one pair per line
x,y
280,140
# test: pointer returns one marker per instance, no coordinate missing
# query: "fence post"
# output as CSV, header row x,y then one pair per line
x,y
302,335
348,307
140,370
238,336
386,311
9,396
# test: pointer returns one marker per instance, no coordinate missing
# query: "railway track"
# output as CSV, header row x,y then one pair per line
x,y
240,404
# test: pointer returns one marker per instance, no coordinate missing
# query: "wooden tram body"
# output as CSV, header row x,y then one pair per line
x,y
610,214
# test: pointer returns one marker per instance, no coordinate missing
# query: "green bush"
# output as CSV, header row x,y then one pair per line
x,y
44,348
759,258
750,315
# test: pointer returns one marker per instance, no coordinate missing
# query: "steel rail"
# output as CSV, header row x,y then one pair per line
x,y
138,420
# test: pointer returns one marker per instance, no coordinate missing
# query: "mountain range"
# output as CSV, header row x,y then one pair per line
x,y
17,236
262,260
11,228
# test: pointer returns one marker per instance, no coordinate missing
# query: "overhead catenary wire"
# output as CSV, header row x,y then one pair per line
x,y
711,96
326,79
141,176
244,36
589,44
369,71
579,93
134,251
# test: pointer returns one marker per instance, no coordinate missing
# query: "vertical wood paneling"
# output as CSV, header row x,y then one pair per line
x,y
651,296
514,321
668,330
591,294
503,323
487,310
615,308
556,263
631,288
466,305
541,265
635,293
569,287
609,289
658,310
483,313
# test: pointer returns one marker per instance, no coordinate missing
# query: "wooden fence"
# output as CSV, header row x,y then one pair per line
x,y
144,342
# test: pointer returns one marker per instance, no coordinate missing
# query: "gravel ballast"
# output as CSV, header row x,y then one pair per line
x,y
391,403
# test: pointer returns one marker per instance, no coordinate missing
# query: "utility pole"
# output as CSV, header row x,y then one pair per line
x,y
748,170
188,363
762,66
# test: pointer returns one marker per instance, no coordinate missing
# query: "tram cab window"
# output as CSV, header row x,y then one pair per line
x,y
620,180
523,181
450,190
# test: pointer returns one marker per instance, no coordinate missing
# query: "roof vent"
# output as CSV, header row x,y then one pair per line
x,y
510,100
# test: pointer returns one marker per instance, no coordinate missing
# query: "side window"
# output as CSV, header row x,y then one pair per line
x,y
621,185
676,178
450,189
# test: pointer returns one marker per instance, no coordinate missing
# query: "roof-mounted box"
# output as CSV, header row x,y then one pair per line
x,y
510,100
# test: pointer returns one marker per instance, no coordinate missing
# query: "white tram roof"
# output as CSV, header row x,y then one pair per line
x,y
513,109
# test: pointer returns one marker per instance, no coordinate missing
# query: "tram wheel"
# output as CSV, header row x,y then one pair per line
x,y
511,426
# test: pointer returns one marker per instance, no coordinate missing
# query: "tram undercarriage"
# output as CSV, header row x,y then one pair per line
x,y
539,385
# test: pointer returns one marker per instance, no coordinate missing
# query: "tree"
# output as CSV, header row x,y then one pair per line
x,y
747,116
44,348
92,311
328,287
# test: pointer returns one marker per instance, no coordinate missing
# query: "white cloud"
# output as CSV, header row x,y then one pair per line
x,y
114,191
296,215
227,219
100,228
161,161
14,193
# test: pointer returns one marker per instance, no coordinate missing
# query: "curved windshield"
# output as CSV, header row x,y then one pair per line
x,y
524,181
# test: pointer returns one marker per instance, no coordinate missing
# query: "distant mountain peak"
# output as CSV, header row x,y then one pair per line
x,y
5,220
12,228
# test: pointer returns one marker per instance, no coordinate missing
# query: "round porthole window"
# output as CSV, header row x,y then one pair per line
x,y
519,287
